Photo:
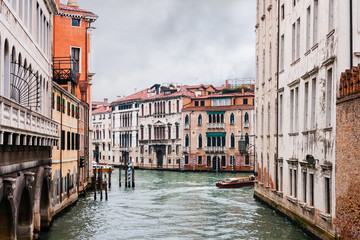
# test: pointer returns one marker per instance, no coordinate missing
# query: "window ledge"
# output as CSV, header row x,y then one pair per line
x,y
262,84
330,33
294,134
314,47
307,52
292,200
268,136
281,135
302,204
295,62
269,79
327,217
282,71
279,193
312,131
310,209
328,129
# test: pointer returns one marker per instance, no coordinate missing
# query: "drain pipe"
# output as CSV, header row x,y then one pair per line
x,y
277,100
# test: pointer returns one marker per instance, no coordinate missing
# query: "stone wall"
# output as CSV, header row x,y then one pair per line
x,y
348,155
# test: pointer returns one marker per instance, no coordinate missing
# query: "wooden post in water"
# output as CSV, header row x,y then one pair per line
x,y
119,176
110,177
125,176
106,191
133,176
94,183
101,194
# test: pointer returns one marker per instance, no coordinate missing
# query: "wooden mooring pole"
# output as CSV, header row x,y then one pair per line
x,y
106,191
94,183
110,177
119,176
125,176
101,194
133,176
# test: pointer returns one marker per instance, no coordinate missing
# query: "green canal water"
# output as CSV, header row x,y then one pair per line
x,y
172,205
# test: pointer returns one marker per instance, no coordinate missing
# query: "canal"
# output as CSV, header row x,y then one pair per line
x,y
172,205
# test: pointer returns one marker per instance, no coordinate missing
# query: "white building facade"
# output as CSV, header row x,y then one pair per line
x,y
302,47
27,132
102,135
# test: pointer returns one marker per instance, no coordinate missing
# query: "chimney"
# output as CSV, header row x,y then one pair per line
x,y
106,100
73,3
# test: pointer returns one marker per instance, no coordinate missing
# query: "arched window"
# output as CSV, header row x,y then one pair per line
x,y
177,105
232,118
247,139
187,119
169,106
7,70
246,118
232,140
149,108
200,120
169,149
200,141
186,140
142,109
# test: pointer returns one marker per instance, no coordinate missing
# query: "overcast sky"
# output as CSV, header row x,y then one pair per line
x,y
141,42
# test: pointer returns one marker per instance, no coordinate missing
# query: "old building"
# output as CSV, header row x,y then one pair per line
x,y
65,156
347,152
214,123
160,127
72,67
296,105
102,135
125,122
26,131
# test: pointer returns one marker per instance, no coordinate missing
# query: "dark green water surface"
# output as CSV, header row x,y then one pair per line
x,y
172,205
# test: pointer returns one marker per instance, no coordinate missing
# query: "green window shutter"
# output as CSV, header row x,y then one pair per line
x,y
63,105
68,108
58,107
77,112
52,100
72,110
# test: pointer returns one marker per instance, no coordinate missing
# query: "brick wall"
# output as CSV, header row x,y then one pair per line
x,y
348,155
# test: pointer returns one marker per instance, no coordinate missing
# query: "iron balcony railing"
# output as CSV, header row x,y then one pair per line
x,y
64,70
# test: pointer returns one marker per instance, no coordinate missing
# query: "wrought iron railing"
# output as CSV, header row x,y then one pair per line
x,y
64,70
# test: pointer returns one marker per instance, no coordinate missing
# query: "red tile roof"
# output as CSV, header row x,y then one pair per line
x,y
102,109
139,95
219,107
74,9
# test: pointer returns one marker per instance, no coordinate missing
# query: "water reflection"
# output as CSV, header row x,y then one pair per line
x,y
172,205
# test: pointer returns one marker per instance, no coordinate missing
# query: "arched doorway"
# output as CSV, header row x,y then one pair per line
x,y
214,163
24,230
6,230
44,205
159,155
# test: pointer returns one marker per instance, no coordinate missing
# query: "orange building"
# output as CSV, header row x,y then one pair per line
x,y
72,54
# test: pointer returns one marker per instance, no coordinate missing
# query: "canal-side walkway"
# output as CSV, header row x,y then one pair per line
x,y
173,205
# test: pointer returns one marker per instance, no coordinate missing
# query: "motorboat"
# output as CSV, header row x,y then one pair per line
x,y
236,182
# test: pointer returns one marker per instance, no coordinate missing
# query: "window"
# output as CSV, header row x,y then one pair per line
x,y
208,161
200,120
280,113
327,195
214,102
187,119
177,131
304,185
296,117
306,103
246,118
75,55
313,104
169,149
52,100
149,132
68,141
72,110
308,25
63,105
72,141
311,183
169,132
63,140
315,21
247,160
196,103
291,181
186,160
169,107
77,144
292,110
282,52
223,161
232,118
187,140
75,22
282,12
202,103
232,141
199,160
298,38
58,103
177,106
200,141
329,97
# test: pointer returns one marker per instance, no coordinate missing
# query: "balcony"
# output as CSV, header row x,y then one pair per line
x,y
215,149
246,124
25,127
124,149
215,125
64,70
186,149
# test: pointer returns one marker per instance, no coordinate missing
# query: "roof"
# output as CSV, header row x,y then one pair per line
x,y
139,95
206,108
65,7
102,109
246,94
